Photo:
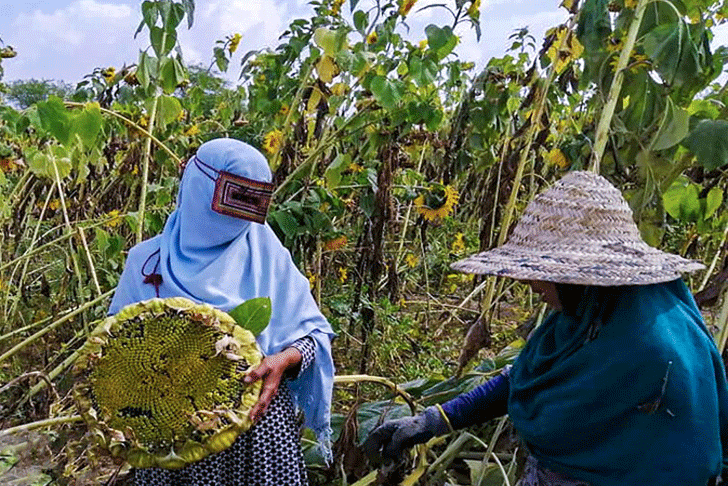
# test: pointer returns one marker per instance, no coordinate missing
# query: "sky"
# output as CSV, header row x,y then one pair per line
x,y
67,39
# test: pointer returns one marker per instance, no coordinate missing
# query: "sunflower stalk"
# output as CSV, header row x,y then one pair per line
x,y
146,156
605,121
30,340
33,241
40,424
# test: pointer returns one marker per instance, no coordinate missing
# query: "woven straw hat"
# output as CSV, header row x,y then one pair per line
x,y
580,231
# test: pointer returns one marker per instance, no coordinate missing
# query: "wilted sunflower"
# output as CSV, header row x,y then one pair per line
x,y
273,141
437,202
160,384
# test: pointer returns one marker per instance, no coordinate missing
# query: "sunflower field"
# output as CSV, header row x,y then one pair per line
x,y
392,158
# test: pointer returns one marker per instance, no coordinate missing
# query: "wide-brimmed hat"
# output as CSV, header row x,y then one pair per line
x,y
580,231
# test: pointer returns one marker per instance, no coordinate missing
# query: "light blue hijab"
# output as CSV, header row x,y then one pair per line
x,y
222,261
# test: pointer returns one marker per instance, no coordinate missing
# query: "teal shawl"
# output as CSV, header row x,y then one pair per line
x,y
624,388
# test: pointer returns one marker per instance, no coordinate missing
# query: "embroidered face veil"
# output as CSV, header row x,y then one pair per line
x,y
237,196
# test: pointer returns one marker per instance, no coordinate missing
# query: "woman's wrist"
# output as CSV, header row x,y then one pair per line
x,y
292,357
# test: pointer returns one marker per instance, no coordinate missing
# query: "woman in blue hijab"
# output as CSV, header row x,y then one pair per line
x,y
622,384
217,249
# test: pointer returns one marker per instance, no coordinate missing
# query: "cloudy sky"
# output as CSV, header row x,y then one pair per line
x,y
66,39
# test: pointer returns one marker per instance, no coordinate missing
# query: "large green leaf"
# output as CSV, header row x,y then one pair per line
x,y
593,29
422,71
169,109
172,73
335,168
55,118
441,40
163,41
386,91
87,124
147,69
253,314
713,201
674,54
709,142
681,201
673,129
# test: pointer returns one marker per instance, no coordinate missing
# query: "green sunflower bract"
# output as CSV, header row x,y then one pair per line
x,y
160,384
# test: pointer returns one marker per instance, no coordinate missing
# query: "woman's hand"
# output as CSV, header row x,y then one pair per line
x,y
271,370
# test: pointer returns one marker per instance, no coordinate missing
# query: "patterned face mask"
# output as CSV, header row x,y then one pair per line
x,y
238,196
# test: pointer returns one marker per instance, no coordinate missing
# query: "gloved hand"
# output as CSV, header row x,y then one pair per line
x,y
388,442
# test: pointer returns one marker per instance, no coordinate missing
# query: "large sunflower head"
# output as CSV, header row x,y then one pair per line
x,y
160,384
437,201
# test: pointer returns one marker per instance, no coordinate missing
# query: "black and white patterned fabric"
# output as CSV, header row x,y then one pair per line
x,y
536,475
269,454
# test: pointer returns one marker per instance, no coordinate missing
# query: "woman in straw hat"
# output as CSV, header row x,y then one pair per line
x,y
622,384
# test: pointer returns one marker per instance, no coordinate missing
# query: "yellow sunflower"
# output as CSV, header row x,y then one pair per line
x,y
372,38
336,7
115,219
558,158
234,43
405,6
474,10
192,131
411,260
458,245
109,74
437,202
273,141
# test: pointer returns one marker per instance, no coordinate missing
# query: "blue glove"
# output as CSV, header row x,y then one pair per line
x,y
388,442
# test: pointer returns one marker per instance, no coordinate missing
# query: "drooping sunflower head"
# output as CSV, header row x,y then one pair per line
x,y
161,383
437,201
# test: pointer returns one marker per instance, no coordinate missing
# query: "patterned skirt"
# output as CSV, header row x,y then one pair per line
x,y
269,454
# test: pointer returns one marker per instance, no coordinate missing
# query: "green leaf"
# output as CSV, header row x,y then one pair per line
x,y
335,168
174,16
423,71
361,21
55,118
168,75
331,41
672,196
441,40
673,129
674,54
709,142
704,109
713,201
221,59
147,69
387,92
593,29
690,204
149,16
168,109
87,124
163,41
253,314
189,6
